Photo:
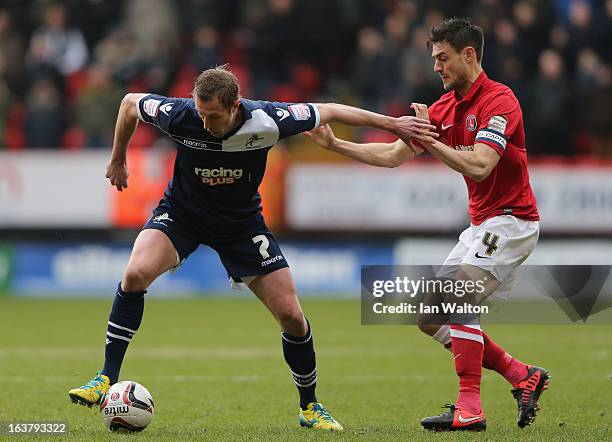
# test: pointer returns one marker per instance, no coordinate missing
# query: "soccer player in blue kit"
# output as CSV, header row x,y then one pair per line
x,y
212,199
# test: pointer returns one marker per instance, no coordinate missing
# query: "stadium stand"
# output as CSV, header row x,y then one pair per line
x,y
59,58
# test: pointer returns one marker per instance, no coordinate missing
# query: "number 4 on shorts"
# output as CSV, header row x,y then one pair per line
x,y
490,240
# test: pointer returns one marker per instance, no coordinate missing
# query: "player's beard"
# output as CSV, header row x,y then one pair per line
x,y
457,84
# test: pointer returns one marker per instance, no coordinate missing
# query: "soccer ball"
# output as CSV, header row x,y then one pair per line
x,y
127,407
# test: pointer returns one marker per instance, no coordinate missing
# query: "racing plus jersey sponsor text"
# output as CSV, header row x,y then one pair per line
x,y
214,177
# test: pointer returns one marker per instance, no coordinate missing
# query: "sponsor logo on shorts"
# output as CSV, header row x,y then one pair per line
x,y
215,177
272,260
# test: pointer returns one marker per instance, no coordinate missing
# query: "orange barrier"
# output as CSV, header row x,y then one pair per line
x,y
149,175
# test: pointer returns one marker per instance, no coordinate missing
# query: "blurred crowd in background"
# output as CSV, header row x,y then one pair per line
x,y
64,66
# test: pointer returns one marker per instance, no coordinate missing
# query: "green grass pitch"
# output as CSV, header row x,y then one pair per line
x,y
216,372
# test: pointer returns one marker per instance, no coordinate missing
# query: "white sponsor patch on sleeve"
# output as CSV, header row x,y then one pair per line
x,y
498,124
300,112
151,107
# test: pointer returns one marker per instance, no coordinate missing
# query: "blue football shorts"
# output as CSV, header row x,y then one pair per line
x,y
250,253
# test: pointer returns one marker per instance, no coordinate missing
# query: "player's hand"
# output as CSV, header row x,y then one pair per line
x,y
423,140
420,110
413,127
117,174
323,136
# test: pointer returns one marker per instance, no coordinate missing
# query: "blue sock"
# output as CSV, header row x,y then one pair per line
x,y
300,356
123,322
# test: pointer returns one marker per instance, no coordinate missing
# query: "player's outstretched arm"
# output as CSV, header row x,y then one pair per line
x,y
374,154
127,121
353,116
476,164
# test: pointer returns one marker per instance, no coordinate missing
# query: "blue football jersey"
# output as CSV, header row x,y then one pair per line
x,y
215,181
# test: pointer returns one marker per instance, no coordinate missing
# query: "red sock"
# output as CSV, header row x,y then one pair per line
x,y
468,349
496,358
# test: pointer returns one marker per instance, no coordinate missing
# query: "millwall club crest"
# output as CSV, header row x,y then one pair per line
x,y
252,141
162,217
471,123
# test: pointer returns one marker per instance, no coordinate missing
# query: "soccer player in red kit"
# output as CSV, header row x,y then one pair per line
x,y
480,124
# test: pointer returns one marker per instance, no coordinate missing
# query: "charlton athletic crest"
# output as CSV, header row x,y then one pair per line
x,y
471,123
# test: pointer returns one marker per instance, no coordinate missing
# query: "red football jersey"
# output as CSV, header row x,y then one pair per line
x,y
489,114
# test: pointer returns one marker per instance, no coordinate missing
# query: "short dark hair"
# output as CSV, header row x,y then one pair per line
x,y
217,82
459,33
